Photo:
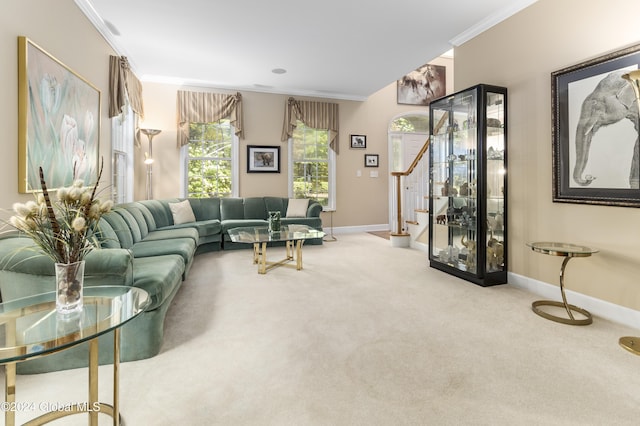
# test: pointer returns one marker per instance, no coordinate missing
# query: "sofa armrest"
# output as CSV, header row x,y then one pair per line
x,y
314,209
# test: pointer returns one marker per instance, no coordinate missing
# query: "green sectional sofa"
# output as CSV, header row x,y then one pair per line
x,y
142,246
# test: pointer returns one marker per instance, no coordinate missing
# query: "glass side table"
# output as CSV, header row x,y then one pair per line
x,y
568,251
30,327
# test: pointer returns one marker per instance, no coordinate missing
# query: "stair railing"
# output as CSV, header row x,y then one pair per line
x,y
400,230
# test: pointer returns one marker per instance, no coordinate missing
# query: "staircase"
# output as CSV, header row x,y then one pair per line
x,y
412,227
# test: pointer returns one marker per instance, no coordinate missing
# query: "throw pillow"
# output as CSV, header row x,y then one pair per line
x,y
182,212
297,207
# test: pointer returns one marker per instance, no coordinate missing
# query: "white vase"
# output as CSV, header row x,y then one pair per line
x,y
69,284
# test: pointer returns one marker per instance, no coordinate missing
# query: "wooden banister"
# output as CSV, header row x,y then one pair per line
x,y
414,164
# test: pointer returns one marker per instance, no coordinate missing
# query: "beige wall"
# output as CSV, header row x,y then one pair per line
x,y
63,31
360,200
521,53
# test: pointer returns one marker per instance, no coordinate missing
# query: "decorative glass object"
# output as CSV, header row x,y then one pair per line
x,y
69,283
274,221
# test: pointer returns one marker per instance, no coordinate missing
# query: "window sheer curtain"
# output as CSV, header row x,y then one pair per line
x,y
318,115
201,107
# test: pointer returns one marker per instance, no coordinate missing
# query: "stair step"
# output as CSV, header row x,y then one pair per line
x,y
411,222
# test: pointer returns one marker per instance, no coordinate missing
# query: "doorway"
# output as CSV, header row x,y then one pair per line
x,y
407,135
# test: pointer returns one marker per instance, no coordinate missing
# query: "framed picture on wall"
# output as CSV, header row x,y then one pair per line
x,y
371,160
594,132
58,122
358,141
263,159
423,85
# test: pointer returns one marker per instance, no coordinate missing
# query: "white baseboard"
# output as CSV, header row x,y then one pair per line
x,y
597,307
356,229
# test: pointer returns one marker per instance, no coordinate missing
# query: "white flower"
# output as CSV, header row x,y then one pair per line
x,y
79,224
21,209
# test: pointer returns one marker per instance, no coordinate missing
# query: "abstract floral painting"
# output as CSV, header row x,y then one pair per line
x,y
58,121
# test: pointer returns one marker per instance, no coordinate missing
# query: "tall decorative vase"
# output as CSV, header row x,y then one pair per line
x,y
69,283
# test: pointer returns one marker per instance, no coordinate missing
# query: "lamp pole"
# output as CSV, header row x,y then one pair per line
x,y
631,343
148,160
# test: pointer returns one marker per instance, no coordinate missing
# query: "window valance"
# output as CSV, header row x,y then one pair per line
x,y
318,115
201,107
123,85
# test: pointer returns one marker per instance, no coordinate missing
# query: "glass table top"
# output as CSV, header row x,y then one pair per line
x,y
31,326
261,234
561,249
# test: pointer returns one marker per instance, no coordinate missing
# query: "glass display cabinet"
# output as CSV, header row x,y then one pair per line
x,y
468,184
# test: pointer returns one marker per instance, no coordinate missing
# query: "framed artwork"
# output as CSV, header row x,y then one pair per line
x,y
371,160
423,85
58,122
358,141
263,159
595,131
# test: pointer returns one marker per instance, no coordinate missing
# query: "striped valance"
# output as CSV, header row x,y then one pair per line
x,y
318,115
204,107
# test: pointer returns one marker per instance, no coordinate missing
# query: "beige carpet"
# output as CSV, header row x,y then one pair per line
x,y
366,334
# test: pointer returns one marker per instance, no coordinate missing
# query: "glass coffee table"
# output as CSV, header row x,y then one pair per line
x,y
568,251
292,235
30,327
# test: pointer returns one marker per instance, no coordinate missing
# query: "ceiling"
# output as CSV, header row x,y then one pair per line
x,y
342,49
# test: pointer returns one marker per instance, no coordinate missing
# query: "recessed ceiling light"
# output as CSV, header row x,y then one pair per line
x,y
278,71
112,28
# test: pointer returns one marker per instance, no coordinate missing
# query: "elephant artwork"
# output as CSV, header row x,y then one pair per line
x,y
612,101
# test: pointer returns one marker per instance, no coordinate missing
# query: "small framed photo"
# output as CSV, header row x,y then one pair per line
x,y
263,159
358,141
371,160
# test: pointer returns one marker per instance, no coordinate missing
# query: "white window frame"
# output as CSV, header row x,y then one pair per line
x,y
332,175
235,166
122,145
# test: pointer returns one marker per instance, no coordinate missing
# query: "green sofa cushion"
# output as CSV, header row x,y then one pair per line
x,y
254,208
106,235
132,223
158,275
160,211
276,204
170,233
205,209
231,209
146,213
120,227
184,247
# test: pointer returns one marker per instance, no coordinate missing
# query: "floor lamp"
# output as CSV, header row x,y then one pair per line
x,y
148,160
630,343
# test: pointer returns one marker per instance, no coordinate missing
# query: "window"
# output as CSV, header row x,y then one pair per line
x,y
122,135
312,166
211,160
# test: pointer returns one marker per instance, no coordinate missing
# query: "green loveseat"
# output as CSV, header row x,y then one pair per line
x,y
142,246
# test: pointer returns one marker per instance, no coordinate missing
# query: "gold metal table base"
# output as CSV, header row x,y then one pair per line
x,y
571,320
632,344
294,252
92,407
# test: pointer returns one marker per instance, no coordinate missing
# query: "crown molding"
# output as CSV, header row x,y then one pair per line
x,y
490,21
89,11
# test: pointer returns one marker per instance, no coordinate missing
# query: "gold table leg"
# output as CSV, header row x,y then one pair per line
x,y
299,255
293,252
10,392
93,406
569,308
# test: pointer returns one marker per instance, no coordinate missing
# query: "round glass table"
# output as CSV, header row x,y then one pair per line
x,y
30,327
568,251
